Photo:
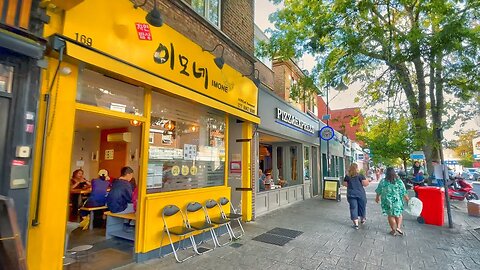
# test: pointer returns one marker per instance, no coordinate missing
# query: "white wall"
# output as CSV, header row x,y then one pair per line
x,y
85,143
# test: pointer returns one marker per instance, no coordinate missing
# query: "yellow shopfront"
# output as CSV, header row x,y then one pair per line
x,y
119,92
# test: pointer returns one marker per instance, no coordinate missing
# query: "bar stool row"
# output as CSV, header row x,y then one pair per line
x,y
198,220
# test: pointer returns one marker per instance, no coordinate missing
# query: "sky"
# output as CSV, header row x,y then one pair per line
x,y
345,99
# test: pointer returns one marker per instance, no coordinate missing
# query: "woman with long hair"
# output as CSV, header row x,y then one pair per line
x,y
356,196
392,192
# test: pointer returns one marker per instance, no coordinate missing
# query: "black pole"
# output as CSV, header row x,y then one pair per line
x,y
328,141
445,178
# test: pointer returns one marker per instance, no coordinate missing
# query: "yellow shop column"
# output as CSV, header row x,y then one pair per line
x,y
46,234
247,132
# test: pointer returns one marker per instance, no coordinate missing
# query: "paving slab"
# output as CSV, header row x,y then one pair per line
x,y
329,242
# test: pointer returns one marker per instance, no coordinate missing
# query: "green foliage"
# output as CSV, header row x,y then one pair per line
x,y
388,139
407,54
464,148
304,89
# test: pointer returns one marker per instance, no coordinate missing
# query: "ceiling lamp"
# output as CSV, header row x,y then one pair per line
x,y
135,123
154,18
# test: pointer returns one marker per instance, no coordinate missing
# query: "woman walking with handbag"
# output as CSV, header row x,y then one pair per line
x,y
356,196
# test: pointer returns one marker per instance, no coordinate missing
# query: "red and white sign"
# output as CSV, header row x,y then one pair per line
x,y
17,162
143,31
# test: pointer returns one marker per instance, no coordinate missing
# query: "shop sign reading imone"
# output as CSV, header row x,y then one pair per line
x,y
294,121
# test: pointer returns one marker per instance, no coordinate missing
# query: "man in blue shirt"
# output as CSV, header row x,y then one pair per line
x,y
119,199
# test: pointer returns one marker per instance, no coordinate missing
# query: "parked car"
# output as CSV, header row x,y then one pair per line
x,y
467,175
475,172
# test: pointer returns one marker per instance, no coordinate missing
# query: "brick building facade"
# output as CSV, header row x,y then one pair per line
x,y
235,32
347,121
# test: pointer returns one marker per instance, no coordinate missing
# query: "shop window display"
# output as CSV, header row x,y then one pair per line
x,y
187,145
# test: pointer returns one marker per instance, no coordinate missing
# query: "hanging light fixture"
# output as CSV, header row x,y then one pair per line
x,y
154,18
219,61
256,79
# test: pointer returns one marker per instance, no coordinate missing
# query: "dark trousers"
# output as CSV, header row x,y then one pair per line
x,y
358,207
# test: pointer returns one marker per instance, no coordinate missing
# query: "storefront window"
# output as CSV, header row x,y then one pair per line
x,y
187,145
99,90
6,78
306,162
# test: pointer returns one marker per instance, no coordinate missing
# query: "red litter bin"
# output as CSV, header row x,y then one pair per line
x,y
433,204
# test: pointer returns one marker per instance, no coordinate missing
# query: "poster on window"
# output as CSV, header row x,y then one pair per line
x,y
155,175
189,151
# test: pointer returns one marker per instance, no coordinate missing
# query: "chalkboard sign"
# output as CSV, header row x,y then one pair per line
x,y
12,255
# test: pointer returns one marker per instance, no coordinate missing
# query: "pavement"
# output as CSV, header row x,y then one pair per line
x,y
328,241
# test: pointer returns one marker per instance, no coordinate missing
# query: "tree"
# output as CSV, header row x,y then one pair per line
x,y
411,51
388,139
464,147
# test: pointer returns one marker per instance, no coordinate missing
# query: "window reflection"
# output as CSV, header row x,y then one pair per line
x,y
187,145
209,9
99,90
6,78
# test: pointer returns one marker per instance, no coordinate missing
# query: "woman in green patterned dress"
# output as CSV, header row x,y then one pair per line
x,y
392,192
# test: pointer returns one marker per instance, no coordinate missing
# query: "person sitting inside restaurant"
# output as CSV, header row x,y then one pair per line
x,y
282,183
77,182
261,180
269,180
119,199
98,196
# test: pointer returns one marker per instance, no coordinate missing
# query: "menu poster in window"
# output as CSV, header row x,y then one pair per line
x,y
155,175
189,151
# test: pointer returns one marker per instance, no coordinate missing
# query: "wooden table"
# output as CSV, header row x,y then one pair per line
x,y
80,193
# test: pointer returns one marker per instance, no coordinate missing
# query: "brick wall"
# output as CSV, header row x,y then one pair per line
x,y
280,76
237,22
266,75
239,13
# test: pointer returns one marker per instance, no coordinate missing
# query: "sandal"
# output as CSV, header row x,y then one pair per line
x,y
355,227
363,221
393,233
400,232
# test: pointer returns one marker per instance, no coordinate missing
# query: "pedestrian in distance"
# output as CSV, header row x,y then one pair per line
x,y
392,193
356,196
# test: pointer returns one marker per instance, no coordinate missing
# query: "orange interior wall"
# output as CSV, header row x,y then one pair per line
x,y
120,153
